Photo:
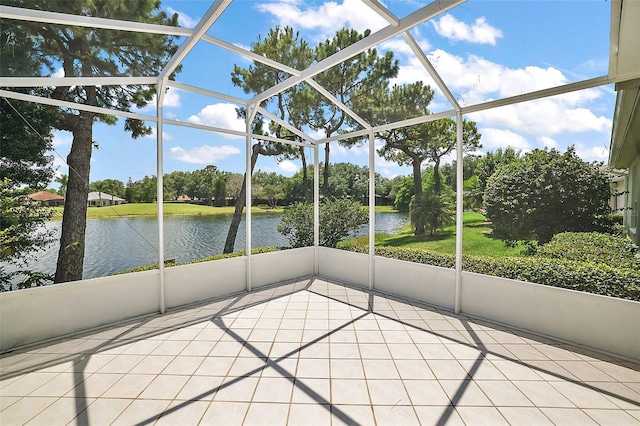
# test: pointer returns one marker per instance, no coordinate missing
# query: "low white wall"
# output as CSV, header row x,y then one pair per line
x,y
277,266
201,281
427,283
601,322
345,266
36,314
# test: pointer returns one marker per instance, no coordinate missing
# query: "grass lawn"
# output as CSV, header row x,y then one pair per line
x,y
151,209
476,239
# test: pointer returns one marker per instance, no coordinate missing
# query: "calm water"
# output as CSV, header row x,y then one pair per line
x,y
116,244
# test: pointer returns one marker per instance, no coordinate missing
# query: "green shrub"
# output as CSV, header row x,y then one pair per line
x,y
592,247
582,276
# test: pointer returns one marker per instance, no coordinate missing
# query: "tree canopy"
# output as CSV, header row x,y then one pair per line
x,y
544,193
90,52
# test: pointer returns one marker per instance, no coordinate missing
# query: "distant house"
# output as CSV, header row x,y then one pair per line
x,y
183,197
47,198
101,199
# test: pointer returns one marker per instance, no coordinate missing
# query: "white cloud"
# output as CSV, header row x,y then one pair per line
x,y
220,115
288,166
544,117
172,98
327,18
184,20
547,142
59,73
203,154
592,153
499,138
62,140
154,132
480,32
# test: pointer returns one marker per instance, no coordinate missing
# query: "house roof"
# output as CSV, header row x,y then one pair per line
x,y
45,196
94,196
624,61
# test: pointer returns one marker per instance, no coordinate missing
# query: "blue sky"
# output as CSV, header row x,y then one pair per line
x,y
483,50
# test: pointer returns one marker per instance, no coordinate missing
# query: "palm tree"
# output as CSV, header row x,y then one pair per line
x,y
62,180
434,211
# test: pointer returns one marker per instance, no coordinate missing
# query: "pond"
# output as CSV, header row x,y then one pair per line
x,y
117,244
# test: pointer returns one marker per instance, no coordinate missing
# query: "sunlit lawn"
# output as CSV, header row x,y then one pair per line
x,y
151,209
476,239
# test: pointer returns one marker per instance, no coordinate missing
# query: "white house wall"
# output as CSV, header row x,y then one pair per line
x,y
600,322
345,266
206,280
278,266
431,284
36,314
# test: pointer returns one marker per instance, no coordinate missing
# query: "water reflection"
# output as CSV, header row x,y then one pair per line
x,y
116,244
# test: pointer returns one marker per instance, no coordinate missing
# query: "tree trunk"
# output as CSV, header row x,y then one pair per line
x,y
417,189
325,173
437,183
305,177
240,204
74,217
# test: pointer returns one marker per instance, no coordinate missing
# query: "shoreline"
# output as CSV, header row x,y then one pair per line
x,y
174,209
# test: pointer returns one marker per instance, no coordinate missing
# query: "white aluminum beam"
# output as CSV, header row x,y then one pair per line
x,y
285,125
372,209
201,28
538,94
382,11
205,92
32,15
430,69
72,105
160,190
251,55
336,102
231,132
410,21
390,126
76,81
459,210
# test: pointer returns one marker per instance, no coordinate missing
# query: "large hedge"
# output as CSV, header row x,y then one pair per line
x,y
582,276
592,247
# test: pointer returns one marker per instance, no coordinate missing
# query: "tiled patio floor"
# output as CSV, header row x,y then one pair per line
x,y
314,353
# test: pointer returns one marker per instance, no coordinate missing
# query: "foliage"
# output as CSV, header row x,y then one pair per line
x,y
472,193
581,276
488,164
110,186
545,193
24,167
592,247
404,195
434,211
350,81
469,166
413,145
338,218
90,52
22,236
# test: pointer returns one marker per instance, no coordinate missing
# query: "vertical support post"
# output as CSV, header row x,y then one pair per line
x,y
372,207
459,208
316,209
249,117
159,188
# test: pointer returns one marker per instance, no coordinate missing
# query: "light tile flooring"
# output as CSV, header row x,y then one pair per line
x,y
314,353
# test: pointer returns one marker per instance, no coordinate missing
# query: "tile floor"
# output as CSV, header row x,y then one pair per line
x,y
314,353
